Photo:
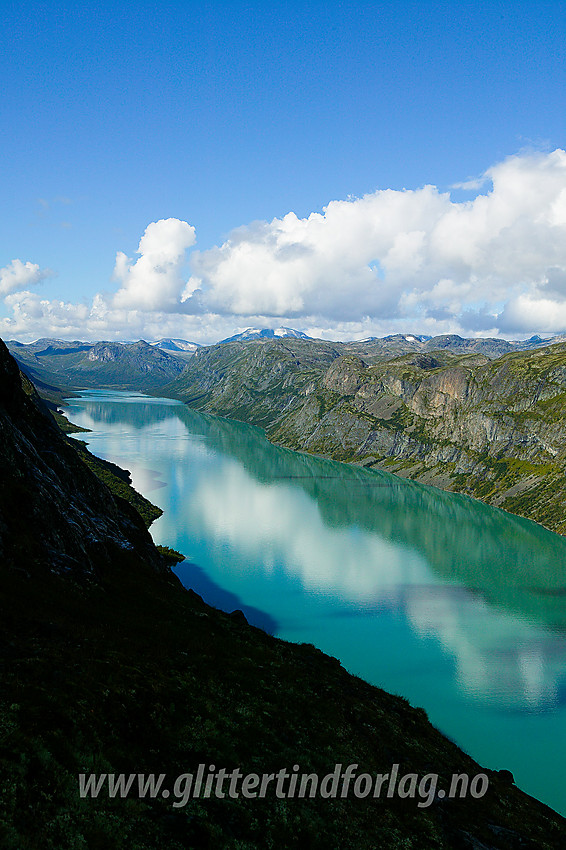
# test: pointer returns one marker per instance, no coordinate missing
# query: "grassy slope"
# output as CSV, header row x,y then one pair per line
x,y
118,482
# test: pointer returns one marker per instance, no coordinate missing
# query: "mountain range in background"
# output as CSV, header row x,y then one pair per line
x,y
391,344
59,366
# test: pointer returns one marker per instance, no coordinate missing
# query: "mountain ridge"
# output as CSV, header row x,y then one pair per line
x,y
490,428
134,366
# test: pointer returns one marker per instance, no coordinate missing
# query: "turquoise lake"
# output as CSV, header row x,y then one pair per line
x,y
459,607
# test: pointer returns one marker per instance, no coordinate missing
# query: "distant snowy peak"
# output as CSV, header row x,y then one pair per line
x,y
251,334
397,337
176,345
290,332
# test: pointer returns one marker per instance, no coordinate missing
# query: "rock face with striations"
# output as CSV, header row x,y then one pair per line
x,y
491,428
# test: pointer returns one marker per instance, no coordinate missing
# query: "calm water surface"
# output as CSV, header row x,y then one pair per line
x,y
459,607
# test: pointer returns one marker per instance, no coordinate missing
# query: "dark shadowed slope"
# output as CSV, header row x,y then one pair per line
x,y
56,513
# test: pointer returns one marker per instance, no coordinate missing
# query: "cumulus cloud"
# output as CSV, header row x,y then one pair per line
x,y
18,275
343,263
154,281
528,311
32,317
390,261
395,254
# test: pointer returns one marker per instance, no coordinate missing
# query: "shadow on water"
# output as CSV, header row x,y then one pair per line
x,y
194,577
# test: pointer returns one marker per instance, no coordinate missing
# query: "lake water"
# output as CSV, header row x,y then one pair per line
x,y
459,607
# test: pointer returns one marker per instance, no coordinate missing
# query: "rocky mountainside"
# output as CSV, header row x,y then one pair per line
x,y
57,366
396,344
55,513
491,428
253,381
108,666
110,365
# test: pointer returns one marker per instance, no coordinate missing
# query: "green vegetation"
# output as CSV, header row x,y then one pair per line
x,y
56,367
66,426
171,556
452,417
118,482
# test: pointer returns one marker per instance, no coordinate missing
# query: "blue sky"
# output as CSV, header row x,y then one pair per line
x,y
229,115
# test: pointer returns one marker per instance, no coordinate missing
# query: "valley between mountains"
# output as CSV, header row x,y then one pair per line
x,y
484,417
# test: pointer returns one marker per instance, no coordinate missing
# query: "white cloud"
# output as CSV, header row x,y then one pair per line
x,y
394,254
154,281
533,311
18,275
33,317
391,261
324,264
474,183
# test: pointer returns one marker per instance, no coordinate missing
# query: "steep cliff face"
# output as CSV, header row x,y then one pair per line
x,y
490,428
254,381
54,512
